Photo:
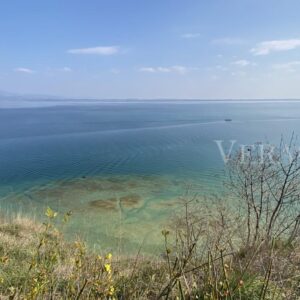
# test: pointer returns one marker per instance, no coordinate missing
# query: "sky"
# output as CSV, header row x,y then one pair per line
x,y
183,49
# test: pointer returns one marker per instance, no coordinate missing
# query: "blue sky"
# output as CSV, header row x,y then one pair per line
x,y
151,49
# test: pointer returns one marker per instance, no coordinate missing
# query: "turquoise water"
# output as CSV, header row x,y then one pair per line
x,y
121,167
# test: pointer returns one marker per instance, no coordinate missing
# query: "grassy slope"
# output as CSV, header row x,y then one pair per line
x,y
36,263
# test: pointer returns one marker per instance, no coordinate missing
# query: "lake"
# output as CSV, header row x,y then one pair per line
x,y
122,166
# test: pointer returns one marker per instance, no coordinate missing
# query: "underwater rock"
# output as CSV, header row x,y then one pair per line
x,y
132,200
105,204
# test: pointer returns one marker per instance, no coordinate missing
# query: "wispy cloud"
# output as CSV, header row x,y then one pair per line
x,y
243,63
267,47
148,69
172,69
289,66
24,70
228,41
100,50
65,69
181,69
190,35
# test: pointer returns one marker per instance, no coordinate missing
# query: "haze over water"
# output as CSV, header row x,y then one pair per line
x,y
122,166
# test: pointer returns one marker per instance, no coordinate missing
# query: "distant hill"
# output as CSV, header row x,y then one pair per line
x,y
5,95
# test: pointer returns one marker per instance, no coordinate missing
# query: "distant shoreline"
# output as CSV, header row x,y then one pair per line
x,y
23,103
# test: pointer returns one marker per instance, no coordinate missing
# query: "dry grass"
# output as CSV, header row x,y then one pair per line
x,y
204,258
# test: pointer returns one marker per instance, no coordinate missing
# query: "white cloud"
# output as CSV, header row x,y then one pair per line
x,y
267,47
243,63
289,66
24,70
180,69
101,50
148,69
190,35
66,69
172,69
164,69
228,41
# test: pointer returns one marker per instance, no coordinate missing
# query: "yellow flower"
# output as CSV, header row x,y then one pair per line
x,y
107,268
108,256
51,214
111,291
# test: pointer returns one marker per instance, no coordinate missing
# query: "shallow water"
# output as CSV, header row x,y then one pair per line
x,y
122,167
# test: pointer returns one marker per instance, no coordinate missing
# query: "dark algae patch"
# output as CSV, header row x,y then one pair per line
x,y
105,204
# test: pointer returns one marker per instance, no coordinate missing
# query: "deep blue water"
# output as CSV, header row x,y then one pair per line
x,y
125,138
174,140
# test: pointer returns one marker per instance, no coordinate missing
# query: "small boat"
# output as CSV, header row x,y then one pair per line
x,y
227,120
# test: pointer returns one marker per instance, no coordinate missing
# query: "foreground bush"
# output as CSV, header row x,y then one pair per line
x,y
200,261
36,263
